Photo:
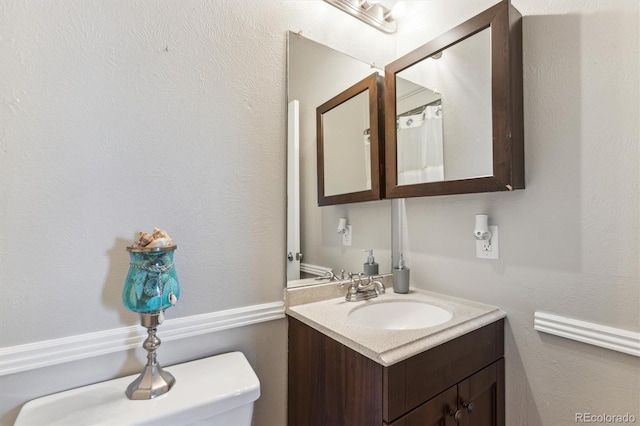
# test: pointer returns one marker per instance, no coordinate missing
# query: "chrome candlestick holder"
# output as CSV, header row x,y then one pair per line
x,y
153,380
150,288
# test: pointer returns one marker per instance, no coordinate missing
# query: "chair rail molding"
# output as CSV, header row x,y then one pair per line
x,y
314,269
615,339
15,359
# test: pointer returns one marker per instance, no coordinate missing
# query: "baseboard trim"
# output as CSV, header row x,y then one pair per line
x,y
15,359
616,339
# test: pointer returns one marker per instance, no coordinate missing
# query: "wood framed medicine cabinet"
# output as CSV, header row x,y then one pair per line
x,y
498,112
350,152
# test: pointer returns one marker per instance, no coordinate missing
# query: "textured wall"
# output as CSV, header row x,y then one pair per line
x,y
569,242
118,116
121,116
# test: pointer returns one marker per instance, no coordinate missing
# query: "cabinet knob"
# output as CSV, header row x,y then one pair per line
x,y
456,414
468,406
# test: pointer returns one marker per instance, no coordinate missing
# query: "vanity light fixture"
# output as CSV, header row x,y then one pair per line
x,y
368,4
372,12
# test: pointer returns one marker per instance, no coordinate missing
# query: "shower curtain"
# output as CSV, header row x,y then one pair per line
x,y
420,147
367,157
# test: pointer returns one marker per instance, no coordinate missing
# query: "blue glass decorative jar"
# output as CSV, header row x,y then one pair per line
x,y
152,284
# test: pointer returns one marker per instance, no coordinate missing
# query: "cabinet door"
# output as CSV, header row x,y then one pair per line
x,y
481,397
414,381
438,411
330,384
475,401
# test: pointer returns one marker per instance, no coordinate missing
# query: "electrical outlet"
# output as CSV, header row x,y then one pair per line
x,y
346,237
489,249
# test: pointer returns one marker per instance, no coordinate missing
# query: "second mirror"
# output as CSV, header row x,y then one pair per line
x,y
349,131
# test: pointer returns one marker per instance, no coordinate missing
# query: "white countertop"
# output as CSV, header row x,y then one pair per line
x,y
388,347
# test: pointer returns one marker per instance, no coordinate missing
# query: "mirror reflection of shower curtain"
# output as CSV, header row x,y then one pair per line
x,y
420,147
367,156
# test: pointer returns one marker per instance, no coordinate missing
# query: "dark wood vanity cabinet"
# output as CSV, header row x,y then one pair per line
x,y
460,382
477,400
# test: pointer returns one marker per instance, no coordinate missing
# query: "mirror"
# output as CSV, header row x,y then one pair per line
x,y
349,127
453,108
316,73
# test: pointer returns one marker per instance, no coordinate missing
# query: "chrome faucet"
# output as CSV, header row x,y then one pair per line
x,y
360,291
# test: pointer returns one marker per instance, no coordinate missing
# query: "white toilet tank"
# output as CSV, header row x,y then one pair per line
x,y
219,390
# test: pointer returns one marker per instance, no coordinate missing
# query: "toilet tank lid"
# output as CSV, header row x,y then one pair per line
x,y
203,388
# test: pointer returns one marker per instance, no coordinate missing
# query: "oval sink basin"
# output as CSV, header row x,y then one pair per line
x,y
400,315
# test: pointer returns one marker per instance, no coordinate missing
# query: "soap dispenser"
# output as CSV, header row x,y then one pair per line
x,y
370,267
401,277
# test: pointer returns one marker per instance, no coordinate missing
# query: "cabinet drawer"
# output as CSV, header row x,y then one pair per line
x,y
416,380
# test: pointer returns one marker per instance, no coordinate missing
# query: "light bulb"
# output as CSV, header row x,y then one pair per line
x,y
396,11
368,4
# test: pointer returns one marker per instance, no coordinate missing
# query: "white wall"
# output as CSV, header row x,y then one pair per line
x,y
118,116
569,242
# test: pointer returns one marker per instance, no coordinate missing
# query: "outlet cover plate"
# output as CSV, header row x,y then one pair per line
x,y
346,237
485,251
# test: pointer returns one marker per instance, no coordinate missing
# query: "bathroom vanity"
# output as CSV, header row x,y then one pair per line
x,y
341,373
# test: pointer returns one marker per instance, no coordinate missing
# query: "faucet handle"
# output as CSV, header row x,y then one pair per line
x,y
350,282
